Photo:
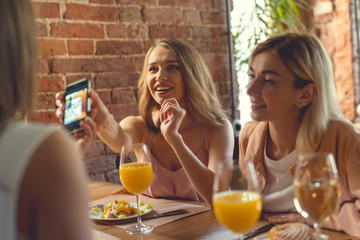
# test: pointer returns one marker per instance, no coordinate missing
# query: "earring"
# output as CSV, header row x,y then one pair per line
x,y
300,104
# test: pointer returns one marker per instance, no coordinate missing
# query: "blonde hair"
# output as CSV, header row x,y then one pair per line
x,y
17,59
307,59
201,97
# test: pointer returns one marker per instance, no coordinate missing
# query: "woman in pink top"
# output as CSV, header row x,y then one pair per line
x,y
181,120
295,108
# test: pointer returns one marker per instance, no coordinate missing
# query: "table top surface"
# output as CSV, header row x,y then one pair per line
x,y
200,226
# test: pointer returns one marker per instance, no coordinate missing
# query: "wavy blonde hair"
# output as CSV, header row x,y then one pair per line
x,y
18,59
201,97
307,59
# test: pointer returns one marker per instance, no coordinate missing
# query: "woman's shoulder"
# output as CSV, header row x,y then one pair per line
x,y
253,127
343,128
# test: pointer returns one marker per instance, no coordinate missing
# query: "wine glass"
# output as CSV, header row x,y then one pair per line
x,y
316,188
237,201
136,174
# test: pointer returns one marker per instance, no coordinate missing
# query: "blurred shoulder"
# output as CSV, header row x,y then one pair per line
x,y
343,128
224,127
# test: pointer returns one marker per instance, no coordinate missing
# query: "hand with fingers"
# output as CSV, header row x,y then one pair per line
x,y
171,116
90,125
280,218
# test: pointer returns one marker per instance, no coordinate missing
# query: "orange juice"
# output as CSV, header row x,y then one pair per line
x,y
237,210
136,177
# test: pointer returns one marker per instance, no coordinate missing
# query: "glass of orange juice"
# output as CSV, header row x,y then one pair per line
x,y
135,175
237,200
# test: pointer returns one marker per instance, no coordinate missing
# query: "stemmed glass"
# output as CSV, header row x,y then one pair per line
x,y
316,188
136,175
236,198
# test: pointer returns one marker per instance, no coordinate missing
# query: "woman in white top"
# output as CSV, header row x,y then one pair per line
x,y
43,192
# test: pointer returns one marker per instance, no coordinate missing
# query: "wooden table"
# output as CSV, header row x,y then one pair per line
x,y
200,226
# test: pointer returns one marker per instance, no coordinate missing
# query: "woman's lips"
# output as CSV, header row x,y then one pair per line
x,y
255,106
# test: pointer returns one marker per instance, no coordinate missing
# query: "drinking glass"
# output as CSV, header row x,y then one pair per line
x,y
316,188
237,201
136,175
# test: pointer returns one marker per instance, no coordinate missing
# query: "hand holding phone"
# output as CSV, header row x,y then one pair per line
x,y
77,104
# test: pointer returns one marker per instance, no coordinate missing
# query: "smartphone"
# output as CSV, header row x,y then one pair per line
x,y
77,104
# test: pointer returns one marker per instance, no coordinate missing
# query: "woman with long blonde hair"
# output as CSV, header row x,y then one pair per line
x,y
181,121
295,110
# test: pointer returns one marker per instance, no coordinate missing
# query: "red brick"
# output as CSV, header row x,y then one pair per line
x,y
117,30
46,10
45,101
204,4
50,47
96,165
93,13
76,30
118,47
43,65
89,65
95,150
130,14
50,84
104,2
168,2
138,31
46,116
114,80
213,17
122,111
208,32
41,30
192,16
136,2
124,96
221,4
167,15
164,31
134,31
80,47
105,96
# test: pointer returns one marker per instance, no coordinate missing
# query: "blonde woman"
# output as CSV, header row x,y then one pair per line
x,y
42,182
181,121
295,110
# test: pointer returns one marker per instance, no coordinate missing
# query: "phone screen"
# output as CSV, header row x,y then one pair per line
x,y
77,104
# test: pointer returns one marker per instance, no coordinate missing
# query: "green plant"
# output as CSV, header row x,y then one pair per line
x,y
267,18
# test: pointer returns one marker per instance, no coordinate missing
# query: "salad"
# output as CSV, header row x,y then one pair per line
x,y
118,209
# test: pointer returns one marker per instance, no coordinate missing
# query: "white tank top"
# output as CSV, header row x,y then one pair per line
x,y
18,143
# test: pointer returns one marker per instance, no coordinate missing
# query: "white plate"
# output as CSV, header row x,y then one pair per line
x,y
101,210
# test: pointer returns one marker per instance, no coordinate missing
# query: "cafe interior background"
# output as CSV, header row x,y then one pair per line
x,y
106,41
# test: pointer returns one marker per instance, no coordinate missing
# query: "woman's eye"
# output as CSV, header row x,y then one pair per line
x,y
268,80
173,67
251,75
152,69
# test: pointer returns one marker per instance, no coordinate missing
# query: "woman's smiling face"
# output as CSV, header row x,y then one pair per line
x,y
164,78
271,89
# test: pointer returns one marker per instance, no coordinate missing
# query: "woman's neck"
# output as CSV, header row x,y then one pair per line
x,y
281,140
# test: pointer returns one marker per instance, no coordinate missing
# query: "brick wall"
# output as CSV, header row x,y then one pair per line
x,y
333,25
106,41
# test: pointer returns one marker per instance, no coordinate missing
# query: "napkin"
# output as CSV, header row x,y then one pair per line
x,y
159,205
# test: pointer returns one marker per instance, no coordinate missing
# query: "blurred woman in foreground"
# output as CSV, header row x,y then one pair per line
x,y
43,193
